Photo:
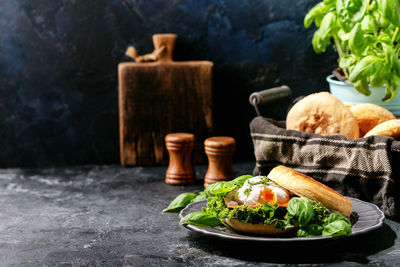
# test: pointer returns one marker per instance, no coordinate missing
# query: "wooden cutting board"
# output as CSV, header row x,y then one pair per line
x,y
161,97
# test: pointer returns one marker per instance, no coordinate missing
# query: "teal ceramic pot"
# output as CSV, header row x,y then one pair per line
x,y
349,95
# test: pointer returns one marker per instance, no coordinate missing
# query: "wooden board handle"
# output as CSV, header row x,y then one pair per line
x,y
167,40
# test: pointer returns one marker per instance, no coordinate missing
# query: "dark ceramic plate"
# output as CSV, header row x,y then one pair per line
x,y
370,217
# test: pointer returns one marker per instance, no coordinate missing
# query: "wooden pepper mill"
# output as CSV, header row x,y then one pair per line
x,y
180,168
219,150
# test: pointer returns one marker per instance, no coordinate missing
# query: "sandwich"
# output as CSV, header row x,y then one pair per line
x,y
285,202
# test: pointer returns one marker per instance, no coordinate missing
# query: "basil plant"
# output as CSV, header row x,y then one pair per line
x,y
365,34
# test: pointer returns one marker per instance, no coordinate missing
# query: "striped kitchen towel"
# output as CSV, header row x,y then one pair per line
x,y
364,168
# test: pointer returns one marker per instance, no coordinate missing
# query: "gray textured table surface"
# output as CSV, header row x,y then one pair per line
x,y
111,216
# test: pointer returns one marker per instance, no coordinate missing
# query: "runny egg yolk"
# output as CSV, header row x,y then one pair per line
x,y
271,197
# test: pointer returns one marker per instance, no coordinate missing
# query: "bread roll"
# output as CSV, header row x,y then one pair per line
x,y
305,186
323,114
370,115
388,128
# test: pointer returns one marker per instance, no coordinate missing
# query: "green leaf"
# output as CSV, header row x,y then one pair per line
x,y
347,61
380,19
200,197
334,217
357,43
337,228
392,58
344,36
350,11
316,13
362,86
200,218
327,24
330,3
224,190
321,38
392,88
302,209
378,78
369,25
309,230
390,10
209,191
242,179
225,187
366,67
384,38
181,201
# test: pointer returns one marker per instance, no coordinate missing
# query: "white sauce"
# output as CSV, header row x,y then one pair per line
x,y
254,196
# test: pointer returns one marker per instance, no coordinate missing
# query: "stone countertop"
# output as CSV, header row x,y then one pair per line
x,y
111,216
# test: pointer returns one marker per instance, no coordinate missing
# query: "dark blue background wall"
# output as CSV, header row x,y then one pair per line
x,y
58,68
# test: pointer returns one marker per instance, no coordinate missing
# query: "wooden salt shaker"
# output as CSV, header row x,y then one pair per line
x,y
180,169
219,150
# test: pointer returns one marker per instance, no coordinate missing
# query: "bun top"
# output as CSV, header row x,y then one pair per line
x,y
389,128
305,186
323,114
370,115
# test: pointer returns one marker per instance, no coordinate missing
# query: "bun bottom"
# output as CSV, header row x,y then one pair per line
x,y
258,229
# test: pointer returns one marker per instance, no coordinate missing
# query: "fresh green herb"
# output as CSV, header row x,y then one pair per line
x,y
181,201
220,188
302,209
242,179
200,218
334,217
309,230
337,228
225,187
262,180
247,191
365,33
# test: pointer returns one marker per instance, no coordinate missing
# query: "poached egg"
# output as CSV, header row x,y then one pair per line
x,y
260,190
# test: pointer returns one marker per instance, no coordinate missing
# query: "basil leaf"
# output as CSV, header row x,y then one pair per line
x,y
309,230
319,44
392,58
242,179
334,217
224,190
209,191
344,36
200,218
225,187
347,61
316,13
369,25
366,67
350,11
181,201
362,86
200,197
391,10
384,38
327,24
380,19
337,228
302,209
378,78
392,88
321,38
357,43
